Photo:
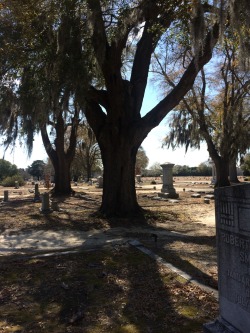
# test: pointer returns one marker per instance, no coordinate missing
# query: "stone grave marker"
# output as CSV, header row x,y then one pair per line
x,y
138,178
233,247
37,193
45,203
6,196
168,190
100,182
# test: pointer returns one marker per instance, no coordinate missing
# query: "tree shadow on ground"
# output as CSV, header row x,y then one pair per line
x,y
191,254
117,290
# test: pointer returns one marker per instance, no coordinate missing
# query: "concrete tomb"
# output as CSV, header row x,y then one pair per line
x,y
233,247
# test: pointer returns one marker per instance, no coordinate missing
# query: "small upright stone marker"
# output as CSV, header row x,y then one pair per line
x,y
233,247
45,203
138,178
37,193
100,182
5,196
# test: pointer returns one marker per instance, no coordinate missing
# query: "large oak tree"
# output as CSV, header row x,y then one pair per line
x,y
114,111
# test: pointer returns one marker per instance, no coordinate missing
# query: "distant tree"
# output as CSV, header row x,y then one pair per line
x,y
245,166
7,169
24,173
141,161
155,170
204,169
181,170
88,155
11,181
37,169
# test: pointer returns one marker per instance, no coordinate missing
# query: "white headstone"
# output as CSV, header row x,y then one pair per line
x,y
233,247
168,189
45,203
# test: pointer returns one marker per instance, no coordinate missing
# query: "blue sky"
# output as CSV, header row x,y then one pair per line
x,y
153,143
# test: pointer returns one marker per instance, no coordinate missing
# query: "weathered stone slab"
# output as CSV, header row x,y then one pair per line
x,y
209,196
173,201
233,243
196,195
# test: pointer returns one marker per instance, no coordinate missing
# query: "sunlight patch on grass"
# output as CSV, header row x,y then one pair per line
x,y
129,328
188,311
9,328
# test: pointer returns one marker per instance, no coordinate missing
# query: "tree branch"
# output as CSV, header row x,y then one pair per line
x,y
156,115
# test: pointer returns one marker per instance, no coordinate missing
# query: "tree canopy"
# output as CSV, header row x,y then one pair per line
x,y
36,169
7,169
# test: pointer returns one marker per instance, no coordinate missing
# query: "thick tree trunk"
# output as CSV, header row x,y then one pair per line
x,y
61,163
222,172
233,172
119,194
62,176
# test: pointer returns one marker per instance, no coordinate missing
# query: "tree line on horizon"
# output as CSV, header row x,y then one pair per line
x,y
65,65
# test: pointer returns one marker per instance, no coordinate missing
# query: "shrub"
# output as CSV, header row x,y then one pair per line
x,y
153,182
10,181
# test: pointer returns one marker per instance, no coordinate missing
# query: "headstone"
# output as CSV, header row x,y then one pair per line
x,y
37,193
138,178
45,203
167,190
100,182
233,245
214,176
5,196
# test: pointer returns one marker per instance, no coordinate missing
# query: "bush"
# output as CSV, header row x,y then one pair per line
x,y
153,182
10,181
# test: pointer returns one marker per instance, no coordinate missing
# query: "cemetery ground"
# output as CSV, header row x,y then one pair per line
x,y
115,287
